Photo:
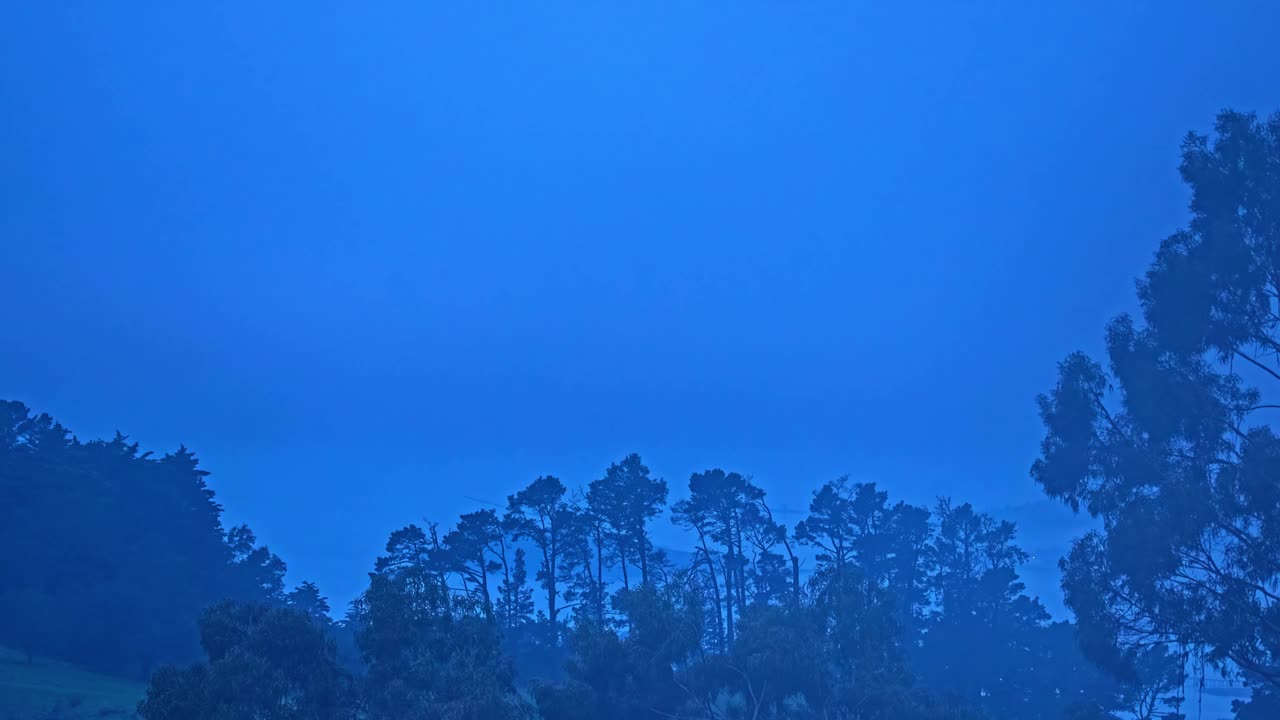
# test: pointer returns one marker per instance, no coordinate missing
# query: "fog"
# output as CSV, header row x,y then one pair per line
x,y
814,313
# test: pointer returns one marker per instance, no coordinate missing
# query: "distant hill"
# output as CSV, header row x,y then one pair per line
x,y
49,690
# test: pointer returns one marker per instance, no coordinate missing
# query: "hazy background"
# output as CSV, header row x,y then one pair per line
x,y
371,263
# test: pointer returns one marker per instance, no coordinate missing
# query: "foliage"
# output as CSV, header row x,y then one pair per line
x,y
625,500
1169,445
429,655
540,514
263,663
97,530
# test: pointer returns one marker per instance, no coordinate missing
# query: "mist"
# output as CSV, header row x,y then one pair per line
x,y
738,360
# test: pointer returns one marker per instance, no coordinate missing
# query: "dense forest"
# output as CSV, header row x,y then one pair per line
x,y
560,605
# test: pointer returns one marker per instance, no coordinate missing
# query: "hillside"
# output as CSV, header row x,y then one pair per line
x,y
48,690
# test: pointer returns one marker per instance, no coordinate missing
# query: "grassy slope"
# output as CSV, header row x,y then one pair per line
x,y
47,690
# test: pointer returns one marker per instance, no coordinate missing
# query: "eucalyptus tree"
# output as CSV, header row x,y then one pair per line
x,y
1169,443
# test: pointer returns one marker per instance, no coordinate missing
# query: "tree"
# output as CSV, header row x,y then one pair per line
x,y
539,513
263,663
632,677
840,656
979,640
829,526
773,576
856,530
515,597
471,549
1169,446
626,499
426,657
306,599
724,508
102,529
258,573
1157,677
415,563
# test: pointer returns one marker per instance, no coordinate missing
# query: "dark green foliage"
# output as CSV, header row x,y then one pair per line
x,y
263,664
859,535
429,655
306,599
624,501
515,597
1156,680
1265,705
908,614
1169,445
472,551
989,644
111,552
629,677
541,515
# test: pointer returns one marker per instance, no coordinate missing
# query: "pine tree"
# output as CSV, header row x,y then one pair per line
x,y
515,596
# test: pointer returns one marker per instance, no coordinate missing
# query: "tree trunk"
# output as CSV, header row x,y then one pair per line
x,y
599,599
484,589
552,610
795,575
715,593
644,559
742,573
728,602
505,588
622,560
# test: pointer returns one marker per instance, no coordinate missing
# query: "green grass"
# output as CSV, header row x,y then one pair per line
x,y
48,690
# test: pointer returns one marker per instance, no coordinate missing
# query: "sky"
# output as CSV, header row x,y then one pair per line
x,y
381,262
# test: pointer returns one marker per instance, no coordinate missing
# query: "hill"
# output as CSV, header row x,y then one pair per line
x,y
49,690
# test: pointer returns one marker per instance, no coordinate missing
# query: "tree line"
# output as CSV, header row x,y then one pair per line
x,y
558,606
908,612
110,552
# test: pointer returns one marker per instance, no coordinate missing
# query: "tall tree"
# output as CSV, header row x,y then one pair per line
x,y
425,658
1170,446
540,514
981,641
857,530
472,549
829,526
626,499
515,597
589,586
415,562
697,515
717,509
766,533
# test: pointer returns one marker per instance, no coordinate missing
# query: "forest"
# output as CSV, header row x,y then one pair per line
x,y
560,605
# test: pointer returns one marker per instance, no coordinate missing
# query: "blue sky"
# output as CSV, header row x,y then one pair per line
x,y
372,262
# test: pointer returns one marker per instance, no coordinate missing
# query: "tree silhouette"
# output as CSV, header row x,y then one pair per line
x,y
263,662
472,551
626,499
1169,446
539,513
113,552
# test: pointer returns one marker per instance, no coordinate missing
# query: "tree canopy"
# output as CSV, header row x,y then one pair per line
x,y
1169,441
111,553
